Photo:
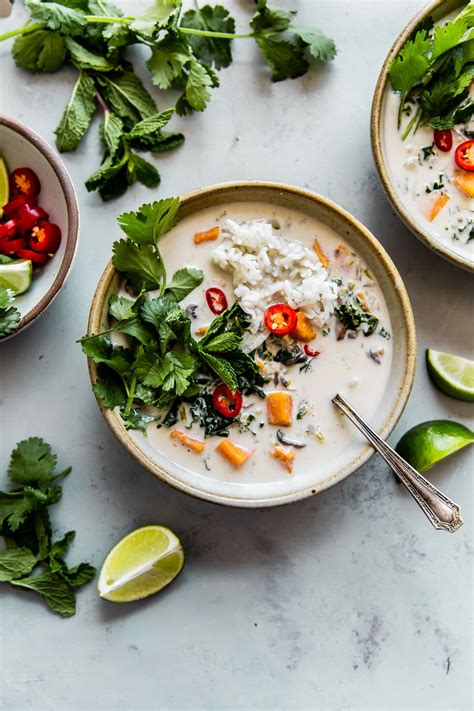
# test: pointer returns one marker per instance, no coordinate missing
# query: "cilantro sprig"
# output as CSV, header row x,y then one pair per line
x,y
9,314
162,363
186,49
435,69
26,528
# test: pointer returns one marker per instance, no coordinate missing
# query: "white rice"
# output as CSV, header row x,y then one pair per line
x,y
268,268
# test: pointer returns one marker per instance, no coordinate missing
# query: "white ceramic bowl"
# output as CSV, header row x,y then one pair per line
x,y
234,493
20,146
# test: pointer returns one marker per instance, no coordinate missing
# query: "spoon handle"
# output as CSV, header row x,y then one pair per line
x,y
441,511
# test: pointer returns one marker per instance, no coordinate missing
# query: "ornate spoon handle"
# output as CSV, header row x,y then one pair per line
x,y
441,511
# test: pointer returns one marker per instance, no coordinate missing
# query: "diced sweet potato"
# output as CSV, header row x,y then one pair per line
x,y
234,453
279,408
261,365
304,329
285,456
201,331
464,182
207,235
361,296
438,205
197,445
323,257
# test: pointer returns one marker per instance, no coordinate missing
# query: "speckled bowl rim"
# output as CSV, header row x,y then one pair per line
x,y
437,7
407,325
72,219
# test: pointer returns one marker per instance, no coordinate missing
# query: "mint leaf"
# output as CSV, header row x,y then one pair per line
x,y
57,16
83,58
140,169
200,79
210,50
111,178
222,368
111,131
39,51
55,591
126,95
32,463
15,563
184,281
140,263
77,114
151,221
101,350
224,343
151,125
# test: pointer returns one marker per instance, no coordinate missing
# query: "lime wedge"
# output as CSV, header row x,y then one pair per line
x,y
4,186
140,564
452,374
16,275
430,442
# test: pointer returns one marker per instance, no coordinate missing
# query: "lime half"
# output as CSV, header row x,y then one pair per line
x,y
4,186
452,374
430,442
140,564
16,275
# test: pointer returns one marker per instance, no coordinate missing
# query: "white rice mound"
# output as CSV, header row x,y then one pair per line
x,y
268,268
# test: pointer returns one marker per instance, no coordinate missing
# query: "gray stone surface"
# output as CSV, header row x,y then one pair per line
x,y
346,601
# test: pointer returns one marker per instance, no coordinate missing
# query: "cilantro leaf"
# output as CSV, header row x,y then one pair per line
x,y
15,563
184,281
410,65
101,350
75,577
55,591
319,46
136,419
109,388
447,36
32,463
121,308
170,373
199,80
156,17
168,59
9,315
285,59
57,16
77,114
151,221
39,51
210,50
140,263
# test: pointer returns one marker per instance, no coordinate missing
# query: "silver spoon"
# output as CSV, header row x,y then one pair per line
x,y
441,511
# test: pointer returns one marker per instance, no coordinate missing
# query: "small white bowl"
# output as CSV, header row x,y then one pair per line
x,y
20,146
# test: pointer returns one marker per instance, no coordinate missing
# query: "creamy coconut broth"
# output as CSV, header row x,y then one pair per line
x,y
421,173
347,366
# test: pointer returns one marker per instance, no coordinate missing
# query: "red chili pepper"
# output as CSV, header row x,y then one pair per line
x,y
443,140
216,300
45,237
14,205
24,181
35,257
29,216
280,319
310,352
12,246
226,402
464,155
8,229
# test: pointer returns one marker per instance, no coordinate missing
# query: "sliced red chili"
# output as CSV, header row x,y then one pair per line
x,y
12,246
14,205
8,229
443,140
280,319
216,300
464,155
45,237
310,351
226,402
24,181
35,257
29,216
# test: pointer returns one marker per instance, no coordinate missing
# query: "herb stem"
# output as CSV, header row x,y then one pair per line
x,y
106,19
131,395
21,31
414,119
217,35
102,102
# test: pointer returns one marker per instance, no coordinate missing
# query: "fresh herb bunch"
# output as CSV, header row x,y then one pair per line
x,y
162,363
186,49
26,529
9,314
435,69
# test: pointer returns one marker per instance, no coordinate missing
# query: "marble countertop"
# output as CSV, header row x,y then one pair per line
x,y
348,600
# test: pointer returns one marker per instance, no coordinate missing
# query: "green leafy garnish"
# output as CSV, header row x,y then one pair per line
x,y
186,49
354,317
26,528
9,314
435,68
